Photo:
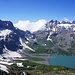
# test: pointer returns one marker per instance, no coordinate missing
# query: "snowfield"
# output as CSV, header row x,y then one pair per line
x,y
11,54
4,33
25,46
4,68
19,64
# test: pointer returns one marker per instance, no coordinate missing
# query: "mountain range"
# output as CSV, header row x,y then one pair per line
x,y
56,37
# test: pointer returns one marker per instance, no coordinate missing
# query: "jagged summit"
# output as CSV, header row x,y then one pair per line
x,y
58,37
10,36
61,22
6,25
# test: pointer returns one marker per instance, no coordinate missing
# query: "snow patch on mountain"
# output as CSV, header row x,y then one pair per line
x,y
24,73
65,25
4,68
19,64
49,36
4,33
5,62
25,46
74,29
11,54
31,26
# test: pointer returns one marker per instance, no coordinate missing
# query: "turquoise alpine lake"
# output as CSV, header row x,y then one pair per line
x,y
62,60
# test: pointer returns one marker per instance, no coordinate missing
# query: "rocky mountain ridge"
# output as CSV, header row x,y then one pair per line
x,y
13,42
10,36
61,35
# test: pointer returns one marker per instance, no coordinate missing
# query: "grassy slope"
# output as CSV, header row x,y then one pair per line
x,y
41,69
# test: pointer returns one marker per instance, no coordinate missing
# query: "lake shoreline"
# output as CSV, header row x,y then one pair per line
x,y
46,58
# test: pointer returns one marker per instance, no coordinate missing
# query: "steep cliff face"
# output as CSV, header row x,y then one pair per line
x,y
10,36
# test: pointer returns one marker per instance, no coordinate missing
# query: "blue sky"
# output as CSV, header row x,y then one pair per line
x,y
34,10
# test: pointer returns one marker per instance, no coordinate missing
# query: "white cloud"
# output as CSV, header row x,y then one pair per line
x,y
66,19
31,26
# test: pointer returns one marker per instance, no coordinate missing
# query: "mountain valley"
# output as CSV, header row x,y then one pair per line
x,y
18,47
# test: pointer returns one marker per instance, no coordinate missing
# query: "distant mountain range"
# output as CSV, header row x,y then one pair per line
x,y
56,37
